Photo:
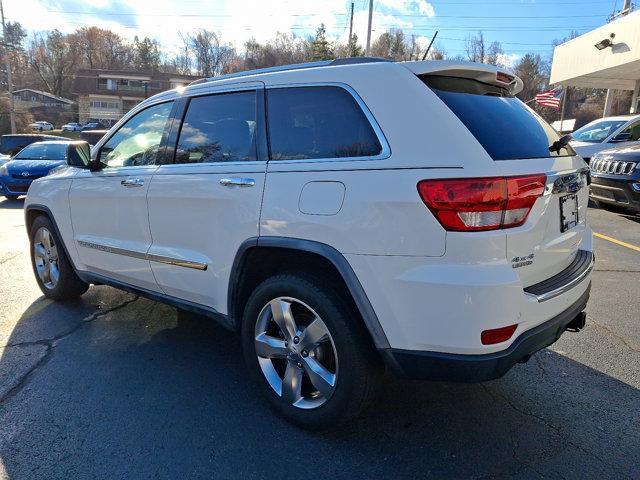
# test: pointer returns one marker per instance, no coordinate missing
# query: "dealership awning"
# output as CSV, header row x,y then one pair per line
x,y
616,65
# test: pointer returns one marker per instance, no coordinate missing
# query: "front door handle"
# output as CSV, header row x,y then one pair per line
x,y
132,182
237,182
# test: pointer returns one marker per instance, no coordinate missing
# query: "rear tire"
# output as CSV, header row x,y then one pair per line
x,y
332,382
11,197
53,271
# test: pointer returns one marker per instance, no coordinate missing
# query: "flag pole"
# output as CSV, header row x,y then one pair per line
x,y
564,98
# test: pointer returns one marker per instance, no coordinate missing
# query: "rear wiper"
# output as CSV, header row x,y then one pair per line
x,y
561,143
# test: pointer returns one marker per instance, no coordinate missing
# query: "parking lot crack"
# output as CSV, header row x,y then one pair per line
x,y
628,344
8,259
50,343
498,396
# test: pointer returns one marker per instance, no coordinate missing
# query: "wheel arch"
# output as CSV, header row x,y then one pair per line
x,y
34,210
283,254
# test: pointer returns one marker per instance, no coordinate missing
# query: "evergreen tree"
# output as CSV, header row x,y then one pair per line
x,y
321,49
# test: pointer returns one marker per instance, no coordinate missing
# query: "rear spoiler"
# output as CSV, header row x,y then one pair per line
x,y
478,71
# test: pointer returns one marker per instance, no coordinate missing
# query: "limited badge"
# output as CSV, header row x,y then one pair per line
x,y
517,262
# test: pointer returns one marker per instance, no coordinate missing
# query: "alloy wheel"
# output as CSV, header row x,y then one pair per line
x,y
45,257
296,353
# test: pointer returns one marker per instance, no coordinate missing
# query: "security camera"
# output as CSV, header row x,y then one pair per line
x,y
607,42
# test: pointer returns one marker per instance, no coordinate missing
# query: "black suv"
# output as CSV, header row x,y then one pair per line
x,y
615,177
12,144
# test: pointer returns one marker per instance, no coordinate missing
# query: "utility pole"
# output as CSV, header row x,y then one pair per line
x,y
12,112
368,50
351,26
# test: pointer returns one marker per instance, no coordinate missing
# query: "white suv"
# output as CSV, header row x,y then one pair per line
x,y
342,216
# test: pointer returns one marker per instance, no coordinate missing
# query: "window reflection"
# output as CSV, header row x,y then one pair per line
x,y
318,122
137,142
219,128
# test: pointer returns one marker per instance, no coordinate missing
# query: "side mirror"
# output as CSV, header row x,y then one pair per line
x,y
621,137
79,155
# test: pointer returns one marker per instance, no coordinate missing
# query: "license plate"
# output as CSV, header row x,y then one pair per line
x,y
568,212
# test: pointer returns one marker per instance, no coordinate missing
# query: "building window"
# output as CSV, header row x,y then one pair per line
x,y
107,105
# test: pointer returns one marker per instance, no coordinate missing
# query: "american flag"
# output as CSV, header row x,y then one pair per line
x,y
550,98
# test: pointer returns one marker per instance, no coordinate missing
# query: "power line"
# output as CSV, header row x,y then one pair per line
x,y
433,27
400,15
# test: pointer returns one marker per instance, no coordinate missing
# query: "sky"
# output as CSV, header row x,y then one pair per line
x,y
520,25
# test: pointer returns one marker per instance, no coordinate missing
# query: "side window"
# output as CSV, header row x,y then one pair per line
x,y
137,141
219,128
318,122
634,130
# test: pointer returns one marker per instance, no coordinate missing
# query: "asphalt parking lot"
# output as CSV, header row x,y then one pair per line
x,y
114,386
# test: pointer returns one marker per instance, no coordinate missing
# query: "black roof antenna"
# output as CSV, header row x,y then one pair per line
x,y
429,47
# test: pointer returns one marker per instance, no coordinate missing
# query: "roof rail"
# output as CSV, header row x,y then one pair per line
x,y
294,66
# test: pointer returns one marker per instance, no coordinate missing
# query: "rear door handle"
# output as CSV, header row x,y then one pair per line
x,y
132,182
237,182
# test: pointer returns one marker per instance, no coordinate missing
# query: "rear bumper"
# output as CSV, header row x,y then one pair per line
x,y
619,190
479,368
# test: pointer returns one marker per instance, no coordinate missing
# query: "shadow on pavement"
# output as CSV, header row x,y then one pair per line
x,y
136,390
11,204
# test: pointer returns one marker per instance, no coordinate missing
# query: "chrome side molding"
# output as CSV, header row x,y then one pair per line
x,y
144,256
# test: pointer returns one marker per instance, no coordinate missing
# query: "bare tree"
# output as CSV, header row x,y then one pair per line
x,y
53,59
101,48
532,71
284,49
212,57
476,48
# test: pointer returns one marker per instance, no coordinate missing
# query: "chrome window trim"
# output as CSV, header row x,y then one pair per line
x,y
143,255
210,91
385,148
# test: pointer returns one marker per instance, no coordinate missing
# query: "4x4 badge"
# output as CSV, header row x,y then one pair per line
x,y
517,262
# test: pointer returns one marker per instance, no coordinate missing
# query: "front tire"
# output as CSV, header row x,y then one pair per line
x,y
307,349
53,271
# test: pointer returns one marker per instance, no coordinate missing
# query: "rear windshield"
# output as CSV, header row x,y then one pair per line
x,y
43,151
10,145
504,126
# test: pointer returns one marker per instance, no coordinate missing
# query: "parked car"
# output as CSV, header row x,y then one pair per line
x,y
41,126
91,126
12,143
92,136
606,133
615,177
340,216
37,160
71,127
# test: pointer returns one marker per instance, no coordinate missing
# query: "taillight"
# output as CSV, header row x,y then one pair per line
x,y
476,204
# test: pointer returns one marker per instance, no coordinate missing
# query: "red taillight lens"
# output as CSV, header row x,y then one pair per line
x,y
475,204
497,335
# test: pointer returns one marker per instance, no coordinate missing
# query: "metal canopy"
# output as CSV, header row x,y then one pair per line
x,y
578,63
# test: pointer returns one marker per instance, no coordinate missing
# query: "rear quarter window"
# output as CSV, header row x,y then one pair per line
x,y
505,127
318,122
